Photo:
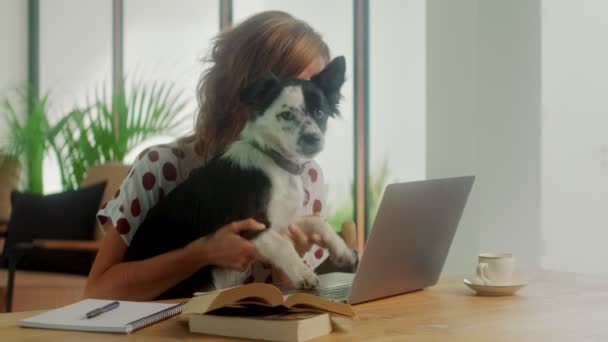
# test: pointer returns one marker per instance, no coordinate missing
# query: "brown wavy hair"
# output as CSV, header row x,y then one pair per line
x,y
270,41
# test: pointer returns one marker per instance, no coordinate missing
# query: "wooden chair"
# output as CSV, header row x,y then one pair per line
x,y
113,173
349,234
10,175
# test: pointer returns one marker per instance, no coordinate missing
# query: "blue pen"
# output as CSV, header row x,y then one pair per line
x,y
99,311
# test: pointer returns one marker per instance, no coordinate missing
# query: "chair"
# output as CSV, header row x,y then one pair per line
x,y
57,288
349,234
10,171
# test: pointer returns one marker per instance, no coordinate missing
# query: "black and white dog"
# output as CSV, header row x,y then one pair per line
x,y
258,177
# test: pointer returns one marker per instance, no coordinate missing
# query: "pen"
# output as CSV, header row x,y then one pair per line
x,y
105,308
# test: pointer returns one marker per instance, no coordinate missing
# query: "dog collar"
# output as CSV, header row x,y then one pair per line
x,y
282,162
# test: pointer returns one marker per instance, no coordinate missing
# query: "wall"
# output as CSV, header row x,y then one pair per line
x,y
452,100
509,128
13,40
397,92
483,118
575,138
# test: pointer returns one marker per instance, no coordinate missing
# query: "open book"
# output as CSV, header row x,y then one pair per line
x,y
261,311
265,295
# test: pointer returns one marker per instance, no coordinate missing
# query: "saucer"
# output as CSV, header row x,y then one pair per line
x,y
493,290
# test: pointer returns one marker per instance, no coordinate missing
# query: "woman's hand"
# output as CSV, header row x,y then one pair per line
x,y
227,248
301,241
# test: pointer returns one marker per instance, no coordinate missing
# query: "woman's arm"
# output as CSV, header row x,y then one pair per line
x,y
147,279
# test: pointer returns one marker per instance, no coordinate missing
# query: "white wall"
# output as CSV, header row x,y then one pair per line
x,y
509,128
483,118
575,136
452,100
13,40
397,88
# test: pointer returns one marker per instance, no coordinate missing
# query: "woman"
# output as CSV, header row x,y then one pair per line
x,y
268,42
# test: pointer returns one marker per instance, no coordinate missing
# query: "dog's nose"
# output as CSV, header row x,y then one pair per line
x,y
310,139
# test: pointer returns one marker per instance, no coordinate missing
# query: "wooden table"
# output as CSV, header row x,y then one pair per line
x,y
554,307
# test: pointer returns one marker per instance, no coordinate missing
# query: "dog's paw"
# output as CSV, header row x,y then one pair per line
x,y
305,279
309,282
342,257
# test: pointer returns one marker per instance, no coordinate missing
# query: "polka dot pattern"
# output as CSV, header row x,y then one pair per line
x,y
313,174
169,171
317,206
102,219
123,226
117,193
319,253
135,208
122,209
153,156
306,197
148,181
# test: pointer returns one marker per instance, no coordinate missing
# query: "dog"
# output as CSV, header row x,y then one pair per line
x,y
257,177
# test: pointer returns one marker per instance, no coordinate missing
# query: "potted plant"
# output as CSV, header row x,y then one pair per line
x,y
89,137
24,116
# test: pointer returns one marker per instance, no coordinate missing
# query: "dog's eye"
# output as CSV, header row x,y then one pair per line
x,y
318,114
286,115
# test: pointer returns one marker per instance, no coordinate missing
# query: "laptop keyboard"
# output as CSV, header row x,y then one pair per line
x,y
336,293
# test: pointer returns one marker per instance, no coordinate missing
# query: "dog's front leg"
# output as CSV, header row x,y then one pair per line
x,y
223,278
279,250
339,253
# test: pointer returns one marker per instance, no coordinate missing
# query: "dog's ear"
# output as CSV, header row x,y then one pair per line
x,y
331,79
259,94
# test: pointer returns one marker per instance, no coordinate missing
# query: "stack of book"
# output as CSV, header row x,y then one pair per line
x,y
262,312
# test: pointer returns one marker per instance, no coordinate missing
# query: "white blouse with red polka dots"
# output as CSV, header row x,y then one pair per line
x,y
159,169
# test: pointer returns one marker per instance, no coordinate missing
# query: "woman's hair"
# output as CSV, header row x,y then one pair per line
x,y
270,41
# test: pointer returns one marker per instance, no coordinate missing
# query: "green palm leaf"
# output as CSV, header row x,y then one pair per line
x,y
87,137
25,116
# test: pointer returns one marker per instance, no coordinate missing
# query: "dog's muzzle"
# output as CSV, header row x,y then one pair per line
x,y
310,144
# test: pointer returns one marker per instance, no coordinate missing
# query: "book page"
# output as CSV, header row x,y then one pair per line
x,y
309,301
263,295
257,293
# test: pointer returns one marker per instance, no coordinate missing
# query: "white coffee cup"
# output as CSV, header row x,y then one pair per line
x,y
495,268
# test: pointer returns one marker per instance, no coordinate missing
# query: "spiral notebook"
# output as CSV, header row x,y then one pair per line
x,y
128,317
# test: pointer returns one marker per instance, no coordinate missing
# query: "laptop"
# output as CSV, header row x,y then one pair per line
x,y
408,244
